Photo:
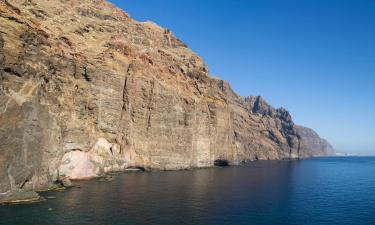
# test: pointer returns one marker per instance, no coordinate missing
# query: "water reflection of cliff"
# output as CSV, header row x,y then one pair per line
x,y
204,196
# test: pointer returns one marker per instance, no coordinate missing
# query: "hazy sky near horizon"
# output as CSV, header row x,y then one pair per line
x,y
316,58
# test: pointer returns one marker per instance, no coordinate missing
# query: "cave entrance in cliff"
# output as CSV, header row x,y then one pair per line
x,y
221,162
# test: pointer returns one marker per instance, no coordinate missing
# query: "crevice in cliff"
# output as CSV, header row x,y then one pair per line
x,y
221,85
197,87
125,106
256,107
2,63
86,75
167,36
151,96
13,8
272,136
125,99
13,71
24,183
2,57
299,146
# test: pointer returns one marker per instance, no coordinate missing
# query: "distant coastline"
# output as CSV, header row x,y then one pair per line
x,y
346,154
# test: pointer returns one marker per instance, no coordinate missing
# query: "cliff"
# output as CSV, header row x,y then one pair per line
x,y
313,144
85,90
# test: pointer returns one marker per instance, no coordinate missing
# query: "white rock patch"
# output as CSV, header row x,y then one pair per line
x,y
77,165
102,158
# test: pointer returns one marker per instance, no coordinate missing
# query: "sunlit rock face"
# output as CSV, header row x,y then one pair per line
x,y
85,90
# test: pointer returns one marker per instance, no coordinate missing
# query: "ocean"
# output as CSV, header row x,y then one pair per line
x,y
327,190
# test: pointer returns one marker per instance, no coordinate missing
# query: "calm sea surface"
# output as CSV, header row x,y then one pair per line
x,y
314,191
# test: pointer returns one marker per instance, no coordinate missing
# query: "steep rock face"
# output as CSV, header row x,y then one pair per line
x,y
313,144
86,90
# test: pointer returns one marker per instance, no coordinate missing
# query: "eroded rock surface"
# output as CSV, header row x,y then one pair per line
x,y
87,90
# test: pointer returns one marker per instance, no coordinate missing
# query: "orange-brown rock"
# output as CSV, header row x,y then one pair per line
x,y
86,90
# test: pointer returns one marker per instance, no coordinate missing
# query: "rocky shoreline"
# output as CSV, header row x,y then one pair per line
x,y
20,197
16,197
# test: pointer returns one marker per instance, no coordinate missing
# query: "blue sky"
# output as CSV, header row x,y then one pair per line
x,y
316,58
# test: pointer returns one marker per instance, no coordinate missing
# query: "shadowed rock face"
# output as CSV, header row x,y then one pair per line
x,y
313,144
86,90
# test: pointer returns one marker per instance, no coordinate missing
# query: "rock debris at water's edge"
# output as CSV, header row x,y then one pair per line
x,y
85,90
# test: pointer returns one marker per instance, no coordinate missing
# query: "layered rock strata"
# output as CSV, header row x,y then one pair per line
x,y
85,90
